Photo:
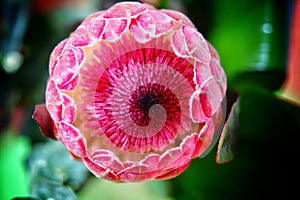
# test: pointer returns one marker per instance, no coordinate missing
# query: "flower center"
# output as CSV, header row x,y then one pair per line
x,y
145,101
152,95
140,98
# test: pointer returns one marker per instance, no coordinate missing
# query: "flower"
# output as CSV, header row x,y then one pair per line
x,y
135,93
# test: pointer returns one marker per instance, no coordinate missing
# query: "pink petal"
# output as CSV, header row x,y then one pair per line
x,y
197,45
107,159
188,144
80,37
150,24
70,85
211,132
65,72
151,161
138,177
179,156
197,109
173,173
99,171
169,157
211,97
188,42
138,32
79,54
95,27
68,109
65,68
205,101
124,10
139,169
178,17
54,101
114,29
179,44
56,54
155,23
69,135
198,149
202,72
206,136
219,74
87,33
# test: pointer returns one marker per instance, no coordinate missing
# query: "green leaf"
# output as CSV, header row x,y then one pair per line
x,y
227,143
53,174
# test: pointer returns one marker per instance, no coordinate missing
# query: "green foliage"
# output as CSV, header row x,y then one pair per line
x,y
53,174
13,177
228,139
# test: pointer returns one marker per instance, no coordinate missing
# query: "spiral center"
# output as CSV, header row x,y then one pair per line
x,y
145,102
146,97
139,98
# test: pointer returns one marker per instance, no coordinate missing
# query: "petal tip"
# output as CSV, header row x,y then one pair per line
x,y
42,117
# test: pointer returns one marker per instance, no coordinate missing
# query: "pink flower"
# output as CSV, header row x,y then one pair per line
x,y
135,93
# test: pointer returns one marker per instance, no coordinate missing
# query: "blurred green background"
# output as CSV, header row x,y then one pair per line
x,y
251,37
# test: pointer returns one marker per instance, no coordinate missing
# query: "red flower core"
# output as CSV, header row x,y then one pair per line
x,y
153,113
